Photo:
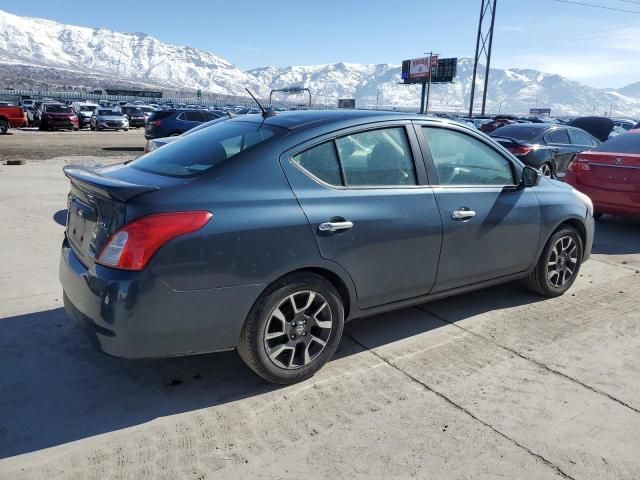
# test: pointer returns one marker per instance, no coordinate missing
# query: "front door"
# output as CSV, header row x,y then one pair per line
x,y
370,210
490,227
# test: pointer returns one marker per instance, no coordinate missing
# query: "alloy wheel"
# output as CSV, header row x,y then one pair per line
x,y
298,329
563,261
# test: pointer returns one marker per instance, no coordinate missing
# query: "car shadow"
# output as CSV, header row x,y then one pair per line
x,y
60,217
617,236
123,149
56,388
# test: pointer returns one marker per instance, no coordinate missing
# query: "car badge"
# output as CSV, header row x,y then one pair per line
x,y
618,161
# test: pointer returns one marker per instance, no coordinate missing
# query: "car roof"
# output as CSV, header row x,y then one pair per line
x,y
300,119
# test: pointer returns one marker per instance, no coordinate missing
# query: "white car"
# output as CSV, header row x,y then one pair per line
x,y
108,119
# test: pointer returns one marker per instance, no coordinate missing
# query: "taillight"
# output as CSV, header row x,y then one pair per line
x,y
132,246
155,123
521,150
579,164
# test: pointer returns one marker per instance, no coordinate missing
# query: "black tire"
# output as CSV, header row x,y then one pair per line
x,y
4,127
252,346
539,280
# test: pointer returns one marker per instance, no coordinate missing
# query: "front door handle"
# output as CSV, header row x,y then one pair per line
x,y
463,214
335,226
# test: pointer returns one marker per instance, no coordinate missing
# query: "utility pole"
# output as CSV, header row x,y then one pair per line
x,y
426,110
484,43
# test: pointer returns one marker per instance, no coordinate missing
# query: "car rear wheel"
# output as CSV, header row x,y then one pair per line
x,y
4,127
558,265
293,329
547,170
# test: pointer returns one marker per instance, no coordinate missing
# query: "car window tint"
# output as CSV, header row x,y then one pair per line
x,y
193,116
558,136
580,137
461,159
377,158
204,150
321,162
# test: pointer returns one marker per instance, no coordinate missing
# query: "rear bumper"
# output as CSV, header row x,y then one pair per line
x,y
136,122
136,315
610,201
589,233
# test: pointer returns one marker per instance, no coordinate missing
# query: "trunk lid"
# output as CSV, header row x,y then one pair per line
x,y
610,171
96,207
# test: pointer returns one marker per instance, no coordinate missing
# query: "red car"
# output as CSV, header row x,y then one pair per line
x,y
610,175
57,115
12,117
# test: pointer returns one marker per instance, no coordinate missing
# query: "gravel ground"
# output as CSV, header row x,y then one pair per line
x,y
499,384
33,145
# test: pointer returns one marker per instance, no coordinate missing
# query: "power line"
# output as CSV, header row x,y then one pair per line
x,y
598,6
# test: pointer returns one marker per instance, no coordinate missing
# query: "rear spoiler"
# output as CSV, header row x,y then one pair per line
x,y
91,181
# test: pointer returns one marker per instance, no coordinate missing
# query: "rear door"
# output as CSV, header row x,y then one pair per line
x,y
562,149
491,228
370,209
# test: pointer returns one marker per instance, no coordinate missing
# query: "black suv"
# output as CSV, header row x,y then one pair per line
x,y
169,123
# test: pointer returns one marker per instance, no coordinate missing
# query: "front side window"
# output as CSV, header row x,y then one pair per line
x,y
377,158
322,162
461,159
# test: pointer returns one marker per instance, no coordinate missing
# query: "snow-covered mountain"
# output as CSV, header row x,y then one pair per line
x,y
510,90
38,53
131,56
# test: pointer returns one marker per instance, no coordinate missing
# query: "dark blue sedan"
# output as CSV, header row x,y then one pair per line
x,y
267,233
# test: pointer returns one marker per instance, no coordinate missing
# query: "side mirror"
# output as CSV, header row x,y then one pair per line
x,y
530,177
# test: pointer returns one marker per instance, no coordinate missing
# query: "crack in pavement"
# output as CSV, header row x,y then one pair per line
x,y
533,360
441,395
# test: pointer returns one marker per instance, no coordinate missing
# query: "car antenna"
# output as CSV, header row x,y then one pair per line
x,y
265,113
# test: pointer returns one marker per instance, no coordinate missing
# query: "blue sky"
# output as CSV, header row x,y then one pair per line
x,y
595,46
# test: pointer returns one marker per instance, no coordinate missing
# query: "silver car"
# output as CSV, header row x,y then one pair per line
x,y
108,119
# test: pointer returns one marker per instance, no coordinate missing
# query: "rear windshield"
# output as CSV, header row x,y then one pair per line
x,y
57,109
517,132
624,143
159,115
196,153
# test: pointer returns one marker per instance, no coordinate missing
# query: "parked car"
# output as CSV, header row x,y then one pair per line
x,y
12,117
610,175
57,115
548,147
155,143
85,110
267,233
492,125
599,127
624,123
108,119
168,123
134,115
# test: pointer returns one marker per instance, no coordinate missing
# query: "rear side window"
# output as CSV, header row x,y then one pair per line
x,y
463,160
559,136
192,116
580,137
322,162
199,152
624,143
377,158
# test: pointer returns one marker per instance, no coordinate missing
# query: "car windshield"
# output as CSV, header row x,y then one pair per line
x,y
195,154
517,132
104,112
57,109
131,110
87,108
623,143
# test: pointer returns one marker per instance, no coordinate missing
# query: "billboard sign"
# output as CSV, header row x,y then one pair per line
x,y
134,93
347,103
419,67
539,111
443,70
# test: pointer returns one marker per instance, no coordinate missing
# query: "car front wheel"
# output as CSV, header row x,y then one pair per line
x,y
293,329
558,265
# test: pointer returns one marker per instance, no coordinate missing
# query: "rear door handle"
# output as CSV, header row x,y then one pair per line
x,y
463,214
335,226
